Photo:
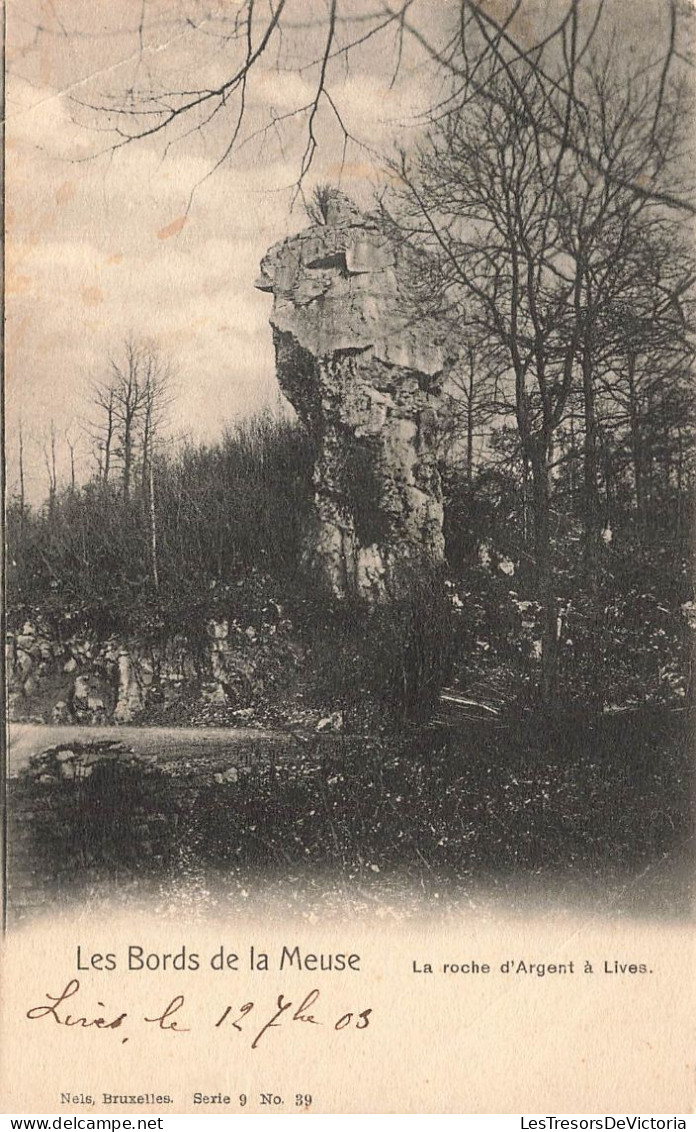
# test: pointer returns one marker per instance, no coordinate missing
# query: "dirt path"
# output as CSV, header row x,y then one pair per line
x,y
169,743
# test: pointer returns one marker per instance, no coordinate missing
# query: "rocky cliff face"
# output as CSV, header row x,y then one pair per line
x,y
364,371
82,679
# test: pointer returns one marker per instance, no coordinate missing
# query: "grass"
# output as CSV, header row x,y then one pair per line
x,y
530,800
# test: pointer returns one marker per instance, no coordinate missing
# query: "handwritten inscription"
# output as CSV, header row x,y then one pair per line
x,y
252,1020
55,1010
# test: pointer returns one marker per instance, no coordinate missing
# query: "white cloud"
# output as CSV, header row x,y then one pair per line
x,y
100,249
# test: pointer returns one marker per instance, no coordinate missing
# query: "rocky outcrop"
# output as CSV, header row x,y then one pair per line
x,y
81,679
364,370
232,667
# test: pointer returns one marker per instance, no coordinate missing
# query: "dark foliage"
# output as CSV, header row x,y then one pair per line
x,y
442,807
94,805
84,564
232,524
383,665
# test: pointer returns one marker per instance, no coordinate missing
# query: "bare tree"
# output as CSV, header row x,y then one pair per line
x,y
157,398
616,237
51,465
128,423
72,444
466,44
22,493
646,362
536,222
102,426
475,400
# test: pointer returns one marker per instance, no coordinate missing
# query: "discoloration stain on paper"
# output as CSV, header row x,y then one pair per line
x,y
65,192
16,284
172,229
92,296
350,171
518,24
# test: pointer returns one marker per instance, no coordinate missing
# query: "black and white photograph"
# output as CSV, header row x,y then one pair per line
x,y
349,475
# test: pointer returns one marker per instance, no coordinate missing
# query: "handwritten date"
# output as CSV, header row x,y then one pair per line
x,y
252,1020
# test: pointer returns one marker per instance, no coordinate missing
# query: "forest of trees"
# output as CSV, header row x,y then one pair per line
x,y
550,197
165,534
573,292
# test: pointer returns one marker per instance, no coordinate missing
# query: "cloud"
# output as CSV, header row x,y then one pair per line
x,y
99,249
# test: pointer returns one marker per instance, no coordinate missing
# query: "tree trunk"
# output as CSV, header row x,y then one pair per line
x,y
153,524
571,459
525,499
608,484
680,486
636,442
541,486
469,442
51,468
108,438
593,534
592,516
127,459
22,496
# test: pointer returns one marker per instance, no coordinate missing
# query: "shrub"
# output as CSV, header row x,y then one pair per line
x,y
385,663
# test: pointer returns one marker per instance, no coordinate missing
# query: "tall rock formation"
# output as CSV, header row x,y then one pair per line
x,y
364,370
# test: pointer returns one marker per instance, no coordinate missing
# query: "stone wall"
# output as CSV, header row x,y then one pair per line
x,y
82,679
99,818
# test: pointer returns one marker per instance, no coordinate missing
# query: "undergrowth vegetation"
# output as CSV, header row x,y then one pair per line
x,y
232,526
433,805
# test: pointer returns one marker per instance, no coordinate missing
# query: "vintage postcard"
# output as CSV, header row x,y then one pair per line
x,y
349,599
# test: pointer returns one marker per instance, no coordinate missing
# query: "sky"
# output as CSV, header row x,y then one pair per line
x,y
100,248
105,245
